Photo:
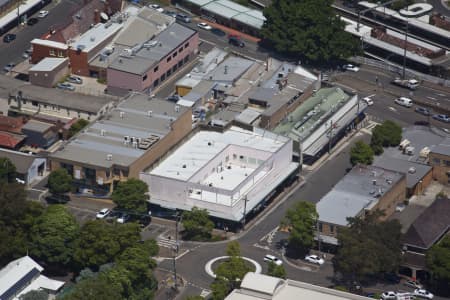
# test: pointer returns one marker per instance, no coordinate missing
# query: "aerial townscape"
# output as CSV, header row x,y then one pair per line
x,y
224,149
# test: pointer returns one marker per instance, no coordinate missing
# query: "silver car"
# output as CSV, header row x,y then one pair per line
x,y
65,86
9,67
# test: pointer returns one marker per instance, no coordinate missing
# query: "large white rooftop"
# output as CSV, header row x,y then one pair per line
x,y
96,35
205,145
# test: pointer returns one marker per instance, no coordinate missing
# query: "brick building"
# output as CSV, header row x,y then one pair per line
x,y
439,159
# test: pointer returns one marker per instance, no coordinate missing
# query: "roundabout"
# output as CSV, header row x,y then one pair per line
x,y
210,272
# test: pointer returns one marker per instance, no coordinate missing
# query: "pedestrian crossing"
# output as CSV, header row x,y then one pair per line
x,y
167,243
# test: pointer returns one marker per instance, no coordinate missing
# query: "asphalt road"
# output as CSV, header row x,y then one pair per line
x,y
59,11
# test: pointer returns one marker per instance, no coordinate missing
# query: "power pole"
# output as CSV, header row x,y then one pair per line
x,y
176,251
245,211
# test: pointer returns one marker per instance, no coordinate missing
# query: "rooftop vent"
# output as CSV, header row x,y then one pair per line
x,y
177,108
92,38
149,113
412,170
121,114
109,157
374,182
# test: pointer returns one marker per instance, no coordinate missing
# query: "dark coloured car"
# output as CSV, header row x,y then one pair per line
x,y
422,110
173,98
32,21
422,123
8,38
392,278
236,42
183,18
57,199
218,32
144,221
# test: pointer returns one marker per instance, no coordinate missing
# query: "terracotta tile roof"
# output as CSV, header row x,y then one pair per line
x,y
10,141
11,124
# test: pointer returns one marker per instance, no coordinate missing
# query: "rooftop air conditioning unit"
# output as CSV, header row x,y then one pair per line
x,y
109,157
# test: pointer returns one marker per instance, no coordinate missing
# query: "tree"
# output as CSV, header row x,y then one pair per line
x,y
100,242
438,262
307,29
388,134
301,219
276,270
131,196
195,298
7,170
94,289
35,295
60,181
220,289
53,234
12,202
196,224
368,238
77,127
361,153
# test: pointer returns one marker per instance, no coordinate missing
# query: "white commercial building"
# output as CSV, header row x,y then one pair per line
x,y
228,173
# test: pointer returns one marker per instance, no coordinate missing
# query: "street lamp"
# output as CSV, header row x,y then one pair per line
x,y
178,217
404,48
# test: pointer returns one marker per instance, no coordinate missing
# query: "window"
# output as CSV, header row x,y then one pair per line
x,y
34,103
174,68
447,163
163,77
180,63
436,161
168,73
155,84
45,105
179,50
24,102
156,69
186,59
169,58
52,52
60,53
186,45
320,227
332,228
174,54
144,78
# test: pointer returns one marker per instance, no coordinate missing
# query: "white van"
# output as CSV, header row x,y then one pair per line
x,y
403,101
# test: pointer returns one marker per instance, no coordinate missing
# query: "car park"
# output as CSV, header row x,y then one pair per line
x,y
235,41
413,284
42,14
123,218
183,18
9,67
421,293
156,7
103,213
75,79
403,101
422,110
65,86
350,67
218,32
8,38
389,295
270,258
32,21
204,26
442,118
314,259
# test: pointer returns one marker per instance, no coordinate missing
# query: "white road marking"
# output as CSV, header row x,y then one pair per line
x,y
431,98
442,95
392,109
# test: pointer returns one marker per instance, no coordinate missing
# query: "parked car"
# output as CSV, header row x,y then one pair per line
x,y
270,258
25,55
442,118
218,32
368,101
421,293
42,14
389,295
57,199
350,67
413,284
422,110
403,101
173,14
314,259
123,218
173,98
235,41
8,38
183,18
9,67
75,79
422,123
144,221
65,86
204,26
32,21
103,213
156,7
392,278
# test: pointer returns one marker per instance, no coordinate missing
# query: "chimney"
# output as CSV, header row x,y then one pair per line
x,y
96,16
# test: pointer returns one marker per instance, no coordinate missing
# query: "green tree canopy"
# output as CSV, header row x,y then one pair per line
x,y
131,195
53,234
276,270
361,153
307,29
301,219
388,134
99,288
220,289
100,242
438,262
60,181
35,295
7,170
77,127
195,298
197,225
368,238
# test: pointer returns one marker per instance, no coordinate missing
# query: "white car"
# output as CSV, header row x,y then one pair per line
x,y
42,14
103,213
204,26
156,7
389,295
314,259
350,67
275,260
421,293
368,101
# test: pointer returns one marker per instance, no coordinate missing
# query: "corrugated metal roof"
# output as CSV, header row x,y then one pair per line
x,y
48,64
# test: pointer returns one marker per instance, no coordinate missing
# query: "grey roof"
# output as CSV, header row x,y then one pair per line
x,y
22,161
355,192
37,126
430,226
248,116
130,118
7,84
443,148
146,57
229,70
49,64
